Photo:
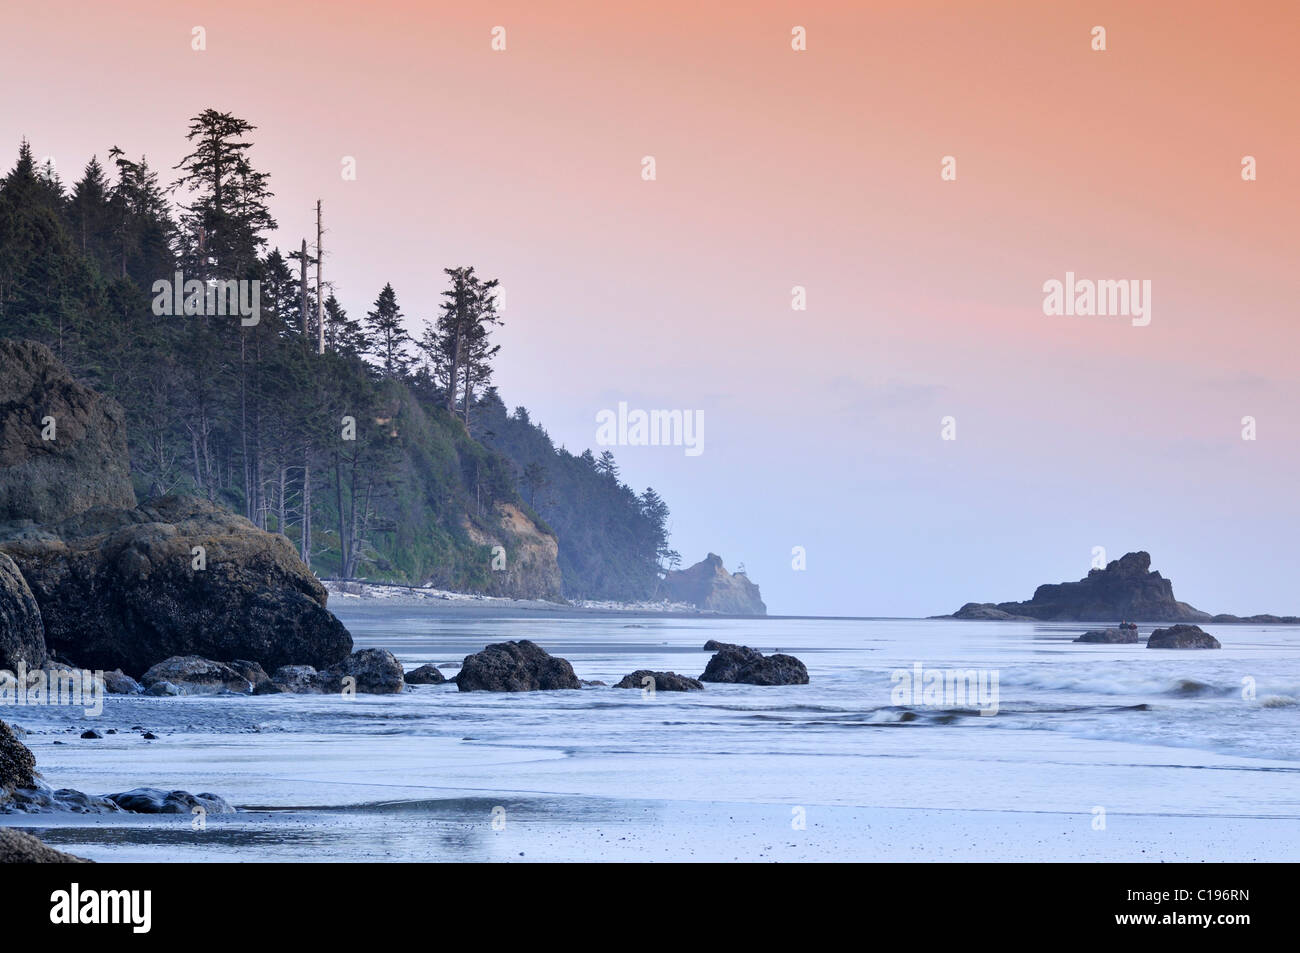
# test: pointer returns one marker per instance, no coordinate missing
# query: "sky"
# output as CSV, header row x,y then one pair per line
x,y
820,168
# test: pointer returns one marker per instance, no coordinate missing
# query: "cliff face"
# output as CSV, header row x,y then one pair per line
x,y
1125,589
531,568
708,586
62,446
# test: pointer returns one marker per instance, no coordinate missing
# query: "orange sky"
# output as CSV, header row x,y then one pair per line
x,y
818,168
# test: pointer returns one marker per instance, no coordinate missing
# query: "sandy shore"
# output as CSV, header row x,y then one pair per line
x,y
408,597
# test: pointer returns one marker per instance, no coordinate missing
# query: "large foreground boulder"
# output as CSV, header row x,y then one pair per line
x,y
1182,637
178,576
660,681
19,847
740,663
62,446
22,634
515,667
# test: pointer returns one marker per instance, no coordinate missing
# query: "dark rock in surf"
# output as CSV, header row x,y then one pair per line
x,y
373,671
156,801
291,680
197,676
521,666
660,681
425,675
118,683
740,663
255,674
1110,636
1182,637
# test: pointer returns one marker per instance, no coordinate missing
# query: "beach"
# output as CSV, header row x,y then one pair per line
x,y
1096,752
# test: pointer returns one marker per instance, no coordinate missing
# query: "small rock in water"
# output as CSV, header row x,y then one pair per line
x,y
425,675
660,681
192,675
1120,636
1182,637
149,736
374,671
91,733
740,663
291,679
119,683
162,689
521,666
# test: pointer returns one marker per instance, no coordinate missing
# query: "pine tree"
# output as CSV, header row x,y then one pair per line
x,y
224,227
343,335
387,334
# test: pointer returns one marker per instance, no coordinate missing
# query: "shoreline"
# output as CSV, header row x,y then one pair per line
x,y
365,594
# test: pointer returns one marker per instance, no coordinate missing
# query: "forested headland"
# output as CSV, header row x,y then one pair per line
x,y
381,453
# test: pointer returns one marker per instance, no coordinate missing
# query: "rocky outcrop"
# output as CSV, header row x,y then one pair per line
x,y
19,847
111,585
1123,636
519,666
1182,637
660,681
709,587
62,446
425,675
122,589
1125,589
740,663
197,676
22,634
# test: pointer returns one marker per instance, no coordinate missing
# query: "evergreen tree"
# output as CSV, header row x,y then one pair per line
x,y
225,224
387,334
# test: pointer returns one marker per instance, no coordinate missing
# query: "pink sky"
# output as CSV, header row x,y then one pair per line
x,y
821,169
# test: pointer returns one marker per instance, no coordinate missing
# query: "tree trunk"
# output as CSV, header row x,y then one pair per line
x,y
306,508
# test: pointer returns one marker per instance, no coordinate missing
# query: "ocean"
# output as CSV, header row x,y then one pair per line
x,y
1094,752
